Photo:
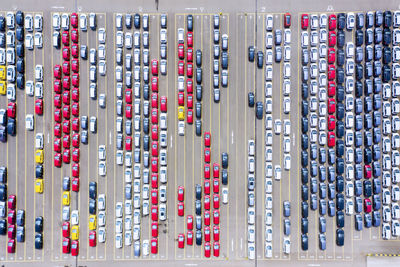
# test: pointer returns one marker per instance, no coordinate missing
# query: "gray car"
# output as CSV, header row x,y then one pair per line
x,y
286,208
137,248
216,95
322,224
128,191
322,241
286,227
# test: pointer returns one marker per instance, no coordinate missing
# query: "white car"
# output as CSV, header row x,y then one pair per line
x,y
38,22
119,210
39,141
83,22
29,122
145,247
278,172
268,250
102,168
101,218
102,234
350,21
287,161
286,105
386,231
101,202
118,241
56,21
251,234
225,195
286,245
75,217
278,126
102,36
102,152
269,22
64,21
39,73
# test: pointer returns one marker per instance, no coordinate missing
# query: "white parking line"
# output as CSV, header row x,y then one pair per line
x,y
110,138
171,141
232,244
241,243
232,143
294,140
48,138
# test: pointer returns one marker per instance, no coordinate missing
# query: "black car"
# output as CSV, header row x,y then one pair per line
x,y
340,39
3,192
224,60
224,175
199,75
304,108
339,75
304,91
339,111
92,206
3,227
39,224
304,225
198,207
378,35
11,127
146,125
339,237
198,191
93,190
260,59
38,241
19,18
259,110
199,92
339,148
3,134
3,174
378,18
386,55
339,184
340,219
19,34
251,99
358,89
304,209
198,57
359,37
340,54
386,73
304,159
368,87
20,81
146,142
20,217
376,218
304,192
20,234
224,160
251,53
136,21
340,93
39,171
2,23
360,21
2,40
387,19
146,92
20,65
304,242
198,237
198,110
304,125
339,202
189,22
387,36
304,175
341,21
367,188
198,127
304,141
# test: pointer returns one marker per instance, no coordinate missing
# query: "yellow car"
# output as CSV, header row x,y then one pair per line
x,y
181,113
75,232
3,88
39,156
2,73
39,186
92,222
65,198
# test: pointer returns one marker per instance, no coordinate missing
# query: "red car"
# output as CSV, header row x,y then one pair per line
x,y
65,68
154,213
331,139
189,239
57,100
154,229
75,51
74,20
216,170
66,229
154,164
75,140
332,39
154,67
11,231
128,143
207,202
66,156
207,234
216,201
154,149
57,130
163,104
75,65
66,98
207,249
189,101
75,124
216,249
57,145
128,111
216,233
65,53
207,187
331,72
75,94
75,170
189,116
331,88
181,99
207,171
304,21
181,209
331,55
154,116
154,100
154,180
39,106
216,185
189,39
154,84
11,246
128,96
66,141
75,248
75,35
66,83
181,193
66,127
66,245
189,221
181,51
92,238
12,202
11,217
75,79
154,196
154,132
189,70
331,105
75,154
207,139
57,160
75,109
57,86
181,68
332,22
287,20
189,55
367,171
181,241
189,86
154,246
57,71
66,112
216,217
331,122
207,154
75,184
57,115
207,217
65,38
367,205
12,110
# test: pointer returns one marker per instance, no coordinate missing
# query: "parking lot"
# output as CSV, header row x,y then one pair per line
x,y
231,123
